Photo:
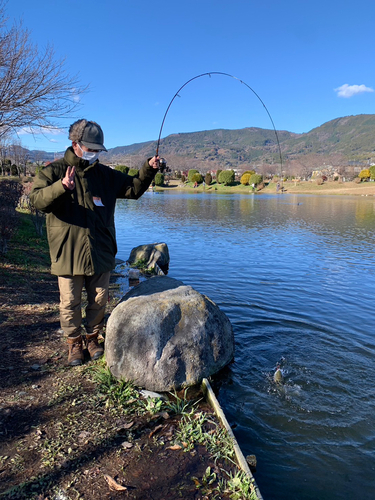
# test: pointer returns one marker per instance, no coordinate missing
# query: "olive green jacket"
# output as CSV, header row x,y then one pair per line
x,y
80,223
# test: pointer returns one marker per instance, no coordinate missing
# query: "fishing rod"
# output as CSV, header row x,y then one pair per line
x,y
235,78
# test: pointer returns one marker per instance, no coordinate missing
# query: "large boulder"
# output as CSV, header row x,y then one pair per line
x,y
165,335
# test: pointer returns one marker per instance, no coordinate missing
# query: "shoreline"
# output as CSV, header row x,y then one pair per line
x,y
289,187
79,431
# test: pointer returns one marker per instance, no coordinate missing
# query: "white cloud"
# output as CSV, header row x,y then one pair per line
x,y
38,131
75,97
350,90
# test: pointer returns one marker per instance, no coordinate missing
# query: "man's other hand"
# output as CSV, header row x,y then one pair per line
x,y
68,181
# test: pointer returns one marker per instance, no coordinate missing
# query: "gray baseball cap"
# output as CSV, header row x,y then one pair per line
x,y
93,137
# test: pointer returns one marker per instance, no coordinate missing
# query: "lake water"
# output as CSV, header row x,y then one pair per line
x,y
295,274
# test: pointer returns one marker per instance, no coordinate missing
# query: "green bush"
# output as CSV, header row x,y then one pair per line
x,y
122,168
226,177
197,178
255,179
218,172
208,178
191,173
159,179
183,178
245,179
372,172
133,172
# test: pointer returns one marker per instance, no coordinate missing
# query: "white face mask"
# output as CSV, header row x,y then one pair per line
x,y
89,155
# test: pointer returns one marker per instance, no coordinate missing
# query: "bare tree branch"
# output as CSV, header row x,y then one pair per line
x,y
35,89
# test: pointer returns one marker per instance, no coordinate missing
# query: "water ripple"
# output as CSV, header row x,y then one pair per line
x,y
295,275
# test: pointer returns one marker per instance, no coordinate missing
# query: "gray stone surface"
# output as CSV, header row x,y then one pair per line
x,y
154,254
165,335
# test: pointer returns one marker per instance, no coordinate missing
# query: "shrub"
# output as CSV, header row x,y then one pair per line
x,y
218,172
226,177
255,179
364,174
10,193
357,180
319,181
208,178
122,168
159,179
133,172
251,172
245,179
372,172
197,178
183,178
191,173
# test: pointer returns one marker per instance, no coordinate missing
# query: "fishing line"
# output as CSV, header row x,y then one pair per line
x,y
235,78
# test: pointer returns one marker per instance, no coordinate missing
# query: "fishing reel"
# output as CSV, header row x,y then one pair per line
x,y
163,165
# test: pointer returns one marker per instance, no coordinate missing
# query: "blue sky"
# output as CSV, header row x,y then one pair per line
x,y
309,62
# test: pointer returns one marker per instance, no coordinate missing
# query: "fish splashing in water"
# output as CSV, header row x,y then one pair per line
x,y
278,376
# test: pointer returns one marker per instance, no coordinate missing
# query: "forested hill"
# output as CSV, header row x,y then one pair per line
x,y
341,141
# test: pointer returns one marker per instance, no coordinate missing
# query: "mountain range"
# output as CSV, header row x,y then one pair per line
x,y
340,142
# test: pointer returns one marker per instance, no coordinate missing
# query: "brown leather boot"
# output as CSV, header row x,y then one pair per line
x,y
95,349
75,356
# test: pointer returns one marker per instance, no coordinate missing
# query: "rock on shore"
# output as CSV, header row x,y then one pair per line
x,y
165,335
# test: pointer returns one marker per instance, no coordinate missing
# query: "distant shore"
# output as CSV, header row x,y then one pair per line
x,y
288,187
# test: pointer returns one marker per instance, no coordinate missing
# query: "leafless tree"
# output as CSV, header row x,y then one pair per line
x,y
35,89
18,156
304,171
4,146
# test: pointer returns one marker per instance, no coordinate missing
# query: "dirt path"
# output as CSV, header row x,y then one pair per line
x,y
63,438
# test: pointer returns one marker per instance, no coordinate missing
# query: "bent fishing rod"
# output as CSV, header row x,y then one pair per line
x,y
235,78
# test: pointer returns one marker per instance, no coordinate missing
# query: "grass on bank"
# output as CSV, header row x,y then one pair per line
x,y
28,256
26,248
195,428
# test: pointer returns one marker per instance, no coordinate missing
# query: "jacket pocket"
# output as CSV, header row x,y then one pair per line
x,y
57,238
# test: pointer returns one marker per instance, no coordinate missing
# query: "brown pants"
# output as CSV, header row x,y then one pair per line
x,y
70,302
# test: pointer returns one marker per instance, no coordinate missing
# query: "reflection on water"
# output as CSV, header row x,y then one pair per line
x,y
295,275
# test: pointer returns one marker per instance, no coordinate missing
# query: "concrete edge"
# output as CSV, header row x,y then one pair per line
x,y
212,400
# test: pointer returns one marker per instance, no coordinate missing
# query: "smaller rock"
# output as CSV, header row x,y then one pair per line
x,y
126,445
151,394
252,461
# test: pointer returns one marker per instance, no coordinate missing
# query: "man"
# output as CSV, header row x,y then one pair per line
x,y
79,196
